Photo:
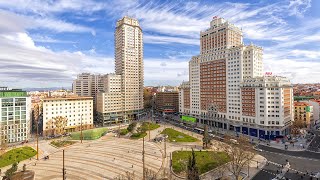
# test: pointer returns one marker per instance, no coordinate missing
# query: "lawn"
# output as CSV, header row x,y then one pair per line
x,y
59,144
124,132
150,126
89,134
176,136
138,135
205,160
16,155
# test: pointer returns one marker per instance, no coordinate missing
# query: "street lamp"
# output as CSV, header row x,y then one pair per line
x,y
81,136
38,133
143,161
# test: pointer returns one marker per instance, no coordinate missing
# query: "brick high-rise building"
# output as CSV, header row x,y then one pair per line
x,y
167,102
227,87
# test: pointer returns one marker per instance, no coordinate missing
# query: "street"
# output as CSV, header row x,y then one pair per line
x,y
303,164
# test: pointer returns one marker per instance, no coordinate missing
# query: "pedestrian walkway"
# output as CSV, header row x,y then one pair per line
x,y
99,159
300,144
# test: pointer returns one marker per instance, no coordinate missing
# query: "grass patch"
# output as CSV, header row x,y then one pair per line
x,y
206,160
176,136
61,143
16,155
124,132
89,134
138,135
150,126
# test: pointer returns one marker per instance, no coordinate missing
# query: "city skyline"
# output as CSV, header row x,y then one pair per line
x,y
46,44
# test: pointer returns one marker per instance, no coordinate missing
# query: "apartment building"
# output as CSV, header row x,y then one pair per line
x,y
303,113
129,65
88,85
76,110
167,102
15,115
315,103
217,92
110,101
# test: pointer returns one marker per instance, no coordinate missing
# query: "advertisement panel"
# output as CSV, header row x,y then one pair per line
x,y
188,119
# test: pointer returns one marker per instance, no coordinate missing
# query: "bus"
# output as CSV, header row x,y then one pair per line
x,y
198,130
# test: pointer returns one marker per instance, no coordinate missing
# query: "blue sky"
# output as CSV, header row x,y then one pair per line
x,y
47,43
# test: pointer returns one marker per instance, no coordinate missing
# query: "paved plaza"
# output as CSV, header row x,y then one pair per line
x,y
100,159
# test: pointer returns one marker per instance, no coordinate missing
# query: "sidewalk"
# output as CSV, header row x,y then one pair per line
x,y
300,145
254,167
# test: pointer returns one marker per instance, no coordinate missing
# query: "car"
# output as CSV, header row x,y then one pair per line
x,y
257,149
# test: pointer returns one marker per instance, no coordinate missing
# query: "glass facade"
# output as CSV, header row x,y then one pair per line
x,y
13,122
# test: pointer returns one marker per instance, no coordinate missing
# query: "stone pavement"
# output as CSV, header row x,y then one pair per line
x,y
255,166
105,158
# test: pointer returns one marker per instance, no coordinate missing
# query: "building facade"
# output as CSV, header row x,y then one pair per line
x,y
88,85
110,101
303,113
15,115
315,103
218,92
74,109
129,65
167,102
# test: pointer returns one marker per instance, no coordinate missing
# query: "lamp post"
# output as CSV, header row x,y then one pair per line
x,y
38,133
63,169
81,135
143,162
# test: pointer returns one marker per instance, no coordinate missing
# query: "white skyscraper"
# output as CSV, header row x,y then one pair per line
x,y
129,64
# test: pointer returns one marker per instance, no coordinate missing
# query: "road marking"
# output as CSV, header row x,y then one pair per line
x,y
299,157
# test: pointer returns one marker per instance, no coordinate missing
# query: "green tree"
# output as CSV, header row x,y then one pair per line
x,y
11,170
206,137
131,126
192,170
147,98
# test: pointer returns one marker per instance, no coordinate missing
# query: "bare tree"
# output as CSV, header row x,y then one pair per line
x,y
50,127
60,123
127,176
241,153
206,137
150,175
4,143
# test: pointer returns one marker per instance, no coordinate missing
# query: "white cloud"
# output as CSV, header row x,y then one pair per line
x,y
297,71
45,7
299,7
11,22
153,39
306,53
22,61
47,39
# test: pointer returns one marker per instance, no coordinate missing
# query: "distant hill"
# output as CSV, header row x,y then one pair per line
x,y
46,89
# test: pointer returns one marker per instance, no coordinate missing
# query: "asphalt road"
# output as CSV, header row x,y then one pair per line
x,y
305,154
301,162
315,143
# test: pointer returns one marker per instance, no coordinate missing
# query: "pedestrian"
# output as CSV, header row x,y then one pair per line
x,y
132,166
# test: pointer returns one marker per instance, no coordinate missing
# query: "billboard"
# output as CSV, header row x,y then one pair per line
x,y
189,119
308,109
